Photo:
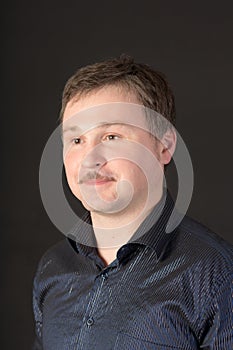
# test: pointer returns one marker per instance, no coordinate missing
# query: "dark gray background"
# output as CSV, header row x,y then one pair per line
x,y
43,43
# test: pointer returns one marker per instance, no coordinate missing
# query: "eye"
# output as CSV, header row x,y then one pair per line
x,y
76,140
111,137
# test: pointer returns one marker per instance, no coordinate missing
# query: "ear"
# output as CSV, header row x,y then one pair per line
x,y
167,146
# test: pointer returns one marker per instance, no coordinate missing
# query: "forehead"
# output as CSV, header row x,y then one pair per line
x,y
111,105
106,94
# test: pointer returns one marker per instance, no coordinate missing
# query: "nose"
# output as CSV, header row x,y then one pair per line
x,y
94,158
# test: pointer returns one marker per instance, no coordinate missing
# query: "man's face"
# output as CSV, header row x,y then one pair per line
x,y
108,161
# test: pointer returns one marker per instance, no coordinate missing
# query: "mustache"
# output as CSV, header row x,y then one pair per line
x,y
93,175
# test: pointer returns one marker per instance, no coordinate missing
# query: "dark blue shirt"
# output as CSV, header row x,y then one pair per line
x,y
163,291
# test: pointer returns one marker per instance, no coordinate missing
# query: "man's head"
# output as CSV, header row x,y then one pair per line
x,y
111,164
149,86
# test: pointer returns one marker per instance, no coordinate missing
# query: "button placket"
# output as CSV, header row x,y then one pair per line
x,y
104,276
97,291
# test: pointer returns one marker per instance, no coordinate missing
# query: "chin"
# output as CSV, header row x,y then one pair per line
x,y
107,207
98,208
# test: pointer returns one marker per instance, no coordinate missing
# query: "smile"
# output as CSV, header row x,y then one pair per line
x,y
97,182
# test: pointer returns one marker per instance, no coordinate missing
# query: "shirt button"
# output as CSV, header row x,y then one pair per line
x,y
104,276
90,321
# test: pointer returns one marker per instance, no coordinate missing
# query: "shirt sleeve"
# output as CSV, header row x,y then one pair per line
x,y
219,326
37,312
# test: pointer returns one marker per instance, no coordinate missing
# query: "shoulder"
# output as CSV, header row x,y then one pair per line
x,y
59,259
202,238
208,252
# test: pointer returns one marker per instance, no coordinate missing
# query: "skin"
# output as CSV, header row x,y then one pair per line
x,y
102,161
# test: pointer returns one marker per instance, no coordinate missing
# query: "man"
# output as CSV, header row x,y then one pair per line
x,y
127,283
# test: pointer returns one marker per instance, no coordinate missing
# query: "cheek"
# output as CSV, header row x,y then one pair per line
x,y
141,178
131,172
71,163
71,169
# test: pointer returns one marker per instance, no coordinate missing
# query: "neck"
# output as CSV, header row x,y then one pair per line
x,y
114,230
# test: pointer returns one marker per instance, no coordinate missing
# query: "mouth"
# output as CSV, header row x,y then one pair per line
x,y
97,180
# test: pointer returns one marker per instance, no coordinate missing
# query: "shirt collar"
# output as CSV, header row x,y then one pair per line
x,y
83,231
155,225
151,233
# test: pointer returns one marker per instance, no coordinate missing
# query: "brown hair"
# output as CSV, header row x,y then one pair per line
x,y
150,86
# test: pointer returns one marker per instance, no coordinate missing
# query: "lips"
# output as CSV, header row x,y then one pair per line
x,y
96,182
96,179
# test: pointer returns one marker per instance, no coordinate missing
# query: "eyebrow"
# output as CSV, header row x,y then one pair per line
x,y
99,125
72,128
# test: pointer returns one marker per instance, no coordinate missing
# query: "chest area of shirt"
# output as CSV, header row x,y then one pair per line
x,y
144,305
